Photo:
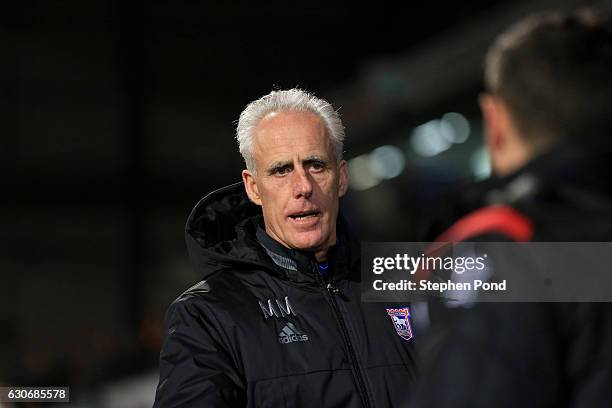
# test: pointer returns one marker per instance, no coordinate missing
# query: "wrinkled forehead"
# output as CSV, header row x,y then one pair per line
x,y
286,135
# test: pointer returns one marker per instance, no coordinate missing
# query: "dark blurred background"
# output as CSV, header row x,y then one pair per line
x,y
116,117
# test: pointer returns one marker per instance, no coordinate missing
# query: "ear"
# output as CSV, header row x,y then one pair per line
x,y
493,113
343,181
250,185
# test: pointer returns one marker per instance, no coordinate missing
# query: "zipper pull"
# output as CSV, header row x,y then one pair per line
x,y
335,291
332,289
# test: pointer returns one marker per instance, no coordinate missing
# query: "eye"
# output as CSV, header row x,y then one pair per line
x,y
280,170
317,165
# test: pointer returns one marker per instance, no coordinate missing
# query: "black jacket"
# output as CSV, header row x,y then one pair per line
x,y
531,354
264,329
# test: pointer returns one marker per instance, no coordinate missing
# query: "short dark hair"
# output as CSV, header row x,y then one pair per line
x,y
553,70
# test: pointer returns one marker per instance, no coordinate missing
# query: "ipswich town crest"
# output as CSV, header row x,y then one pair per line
x,y
401,322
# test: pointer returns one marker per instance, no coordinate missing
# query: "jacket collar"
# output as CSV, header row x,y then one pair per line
x,y
300,262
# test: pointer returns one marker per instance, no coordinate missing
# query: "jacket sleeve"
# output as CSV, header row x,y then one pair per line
x,y
196,369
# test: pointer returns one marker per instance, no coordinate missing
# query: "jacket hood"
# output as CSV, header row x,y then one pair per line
x,y
220,231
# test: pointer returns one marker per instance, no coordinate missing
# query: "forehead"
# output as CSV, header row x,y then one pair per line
x,y
283,135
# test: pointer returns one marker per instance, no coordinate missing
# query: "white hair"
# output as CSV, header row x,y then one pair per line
x,y
292,100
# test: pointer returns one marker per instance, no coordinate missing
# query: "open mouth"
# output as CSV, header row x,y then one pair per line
x,y
304,215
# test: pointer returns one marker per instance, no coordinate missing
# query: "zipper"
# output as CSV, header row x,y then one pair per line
x,y
332,292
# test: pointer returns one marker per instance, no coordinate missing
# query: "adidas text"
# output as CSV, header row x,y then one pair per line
x,y
291,334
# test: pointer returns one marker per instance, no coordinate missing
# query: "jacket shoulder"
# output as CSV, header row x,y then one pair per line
x,y
222,293
210,287
199,290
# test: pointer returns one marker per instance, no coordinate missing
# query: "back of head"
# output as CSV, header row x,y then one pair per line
x,y
553,71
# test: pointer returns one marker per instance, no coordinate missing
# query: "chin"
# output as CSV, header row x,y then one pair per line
x,y
308,241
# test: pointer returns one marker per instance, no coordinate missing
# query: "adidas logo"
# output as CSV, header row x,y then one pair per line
x,y
290,334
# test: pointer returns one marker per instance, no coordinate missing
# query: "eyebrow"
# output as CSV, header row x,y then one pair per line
x,y
278,165
314,158
307,160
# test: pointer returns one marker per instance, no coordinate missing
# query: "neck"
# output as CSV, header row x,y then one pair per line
x,y
321,256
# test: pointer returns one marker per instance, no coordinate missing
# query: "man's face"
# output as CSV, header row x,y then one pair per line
x,y
298,180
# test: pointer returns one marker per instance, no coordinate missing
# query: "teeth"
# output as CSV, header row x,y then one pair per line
x,y
301,217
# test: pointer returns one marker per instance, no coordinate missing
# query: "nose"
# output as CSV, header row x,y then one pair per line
x,y
302,184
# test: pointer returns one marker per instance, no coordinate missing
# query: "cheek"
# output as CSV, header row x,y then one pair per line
x,y
273,199
328,188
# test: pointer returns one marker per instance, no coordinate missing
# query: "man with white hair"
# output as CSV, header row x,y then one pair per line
x,y
277,319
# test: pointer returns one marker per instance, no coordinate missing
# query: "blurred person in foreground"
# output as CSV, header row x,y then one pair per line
x,y
548,128
277,319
